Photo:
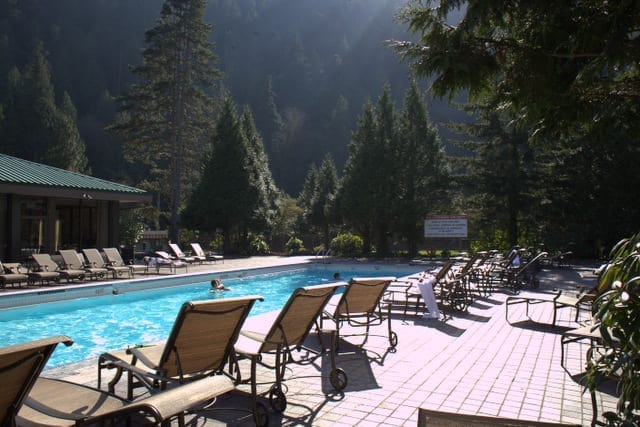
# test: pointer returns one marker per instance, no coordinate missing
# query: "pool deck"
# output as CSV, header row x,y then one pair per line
x,y
474,363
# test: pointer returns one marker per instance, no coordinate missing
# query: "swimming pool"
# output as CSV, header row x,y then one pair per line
x,y
116,321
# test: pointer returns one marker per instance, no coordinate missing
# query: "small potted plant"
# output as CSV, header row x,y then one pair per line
x,y
131,231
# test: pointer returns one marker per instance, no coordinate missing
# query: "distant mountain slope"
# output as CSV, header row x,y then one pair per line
x,y
323,58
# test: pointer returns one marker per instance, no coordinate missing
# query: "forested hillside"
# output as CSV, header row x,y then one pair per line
x,y
307,66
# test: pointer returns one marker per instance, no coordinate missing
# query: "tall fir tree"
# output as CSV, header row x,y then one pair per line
x,y
166,115
355,199
246,202
35,127
499,197
68,150
319,210
31,109
266,192
384,181
422,166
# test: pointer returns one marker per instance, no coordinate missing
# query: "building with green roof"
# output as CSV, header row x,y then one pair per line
x,y
44,209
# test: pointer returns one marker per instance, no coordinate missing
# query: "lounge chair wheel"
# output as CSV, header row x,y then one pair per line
x,y
459,302
393,340
338,379
277,399
261,415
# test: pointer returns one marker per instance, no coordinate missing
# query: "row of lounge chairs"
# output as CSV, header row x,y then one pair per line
x,y
200,360
75,266
179,260
198,254
93,265
90,264
459,281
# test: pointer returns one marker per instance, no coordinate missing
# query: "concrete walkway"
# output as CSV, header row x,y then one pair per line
x,y
474,363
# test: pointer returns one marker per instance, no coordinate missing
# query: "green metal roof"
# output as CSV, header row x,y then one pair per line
x,y
18,172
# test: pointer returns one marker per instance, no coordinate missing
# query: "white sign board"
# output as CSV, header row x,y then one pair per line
x,y
446,226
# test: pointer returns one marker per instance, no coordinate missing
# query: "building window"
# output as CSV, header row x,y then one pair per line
x,y
76,227
32,221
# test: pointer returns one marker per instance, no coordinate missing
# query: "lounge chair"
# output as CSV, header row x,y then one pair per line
x,y
197,250
95,259
525,274
11,274
114,259
590,333
48,270
20,366
177,252
29,400
278,334
408,288
360,305
583,301
428,418
164,260
199,345
73,260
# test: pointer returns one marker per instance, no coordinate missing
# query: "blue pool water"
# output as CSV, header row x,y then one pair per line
x,y
113,322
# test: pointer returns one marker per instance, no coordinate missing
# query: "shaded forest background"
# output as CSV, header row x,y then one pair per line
x,y
319,62
317,86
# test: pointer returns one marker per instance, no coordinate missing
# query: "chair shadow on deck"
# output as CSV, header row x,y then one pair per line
x,y
548,328
353,359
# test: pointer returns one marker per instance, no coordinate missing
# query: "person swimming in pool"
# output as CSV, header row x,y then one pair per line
x,y
336,276
217,285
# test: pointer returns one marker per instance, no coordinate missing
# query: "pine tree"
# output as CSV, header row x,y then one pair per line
x,y
320,209
422,169
35,127
166,115
384,182
499,195
248,199
355,199
67,150
31,109
266,192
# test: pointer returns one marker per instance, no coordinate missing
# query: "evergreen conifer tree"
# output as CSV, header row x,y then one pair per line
x,y
67,150
384,180
31,109
320,208
166,115
35,127
422,169
236,193
355,199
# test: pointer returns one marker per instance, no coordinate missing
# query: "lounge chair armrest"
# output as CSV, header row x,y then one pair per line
x,y
145,375
178,400
139,354
53,412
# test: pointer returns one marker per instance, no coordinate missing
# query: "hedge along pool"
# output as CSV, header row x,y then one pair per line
x,y
111,322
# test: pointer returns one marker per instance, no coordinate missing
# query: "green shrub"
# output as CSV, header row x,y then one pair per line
x,y
294,246
347,245
257,244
